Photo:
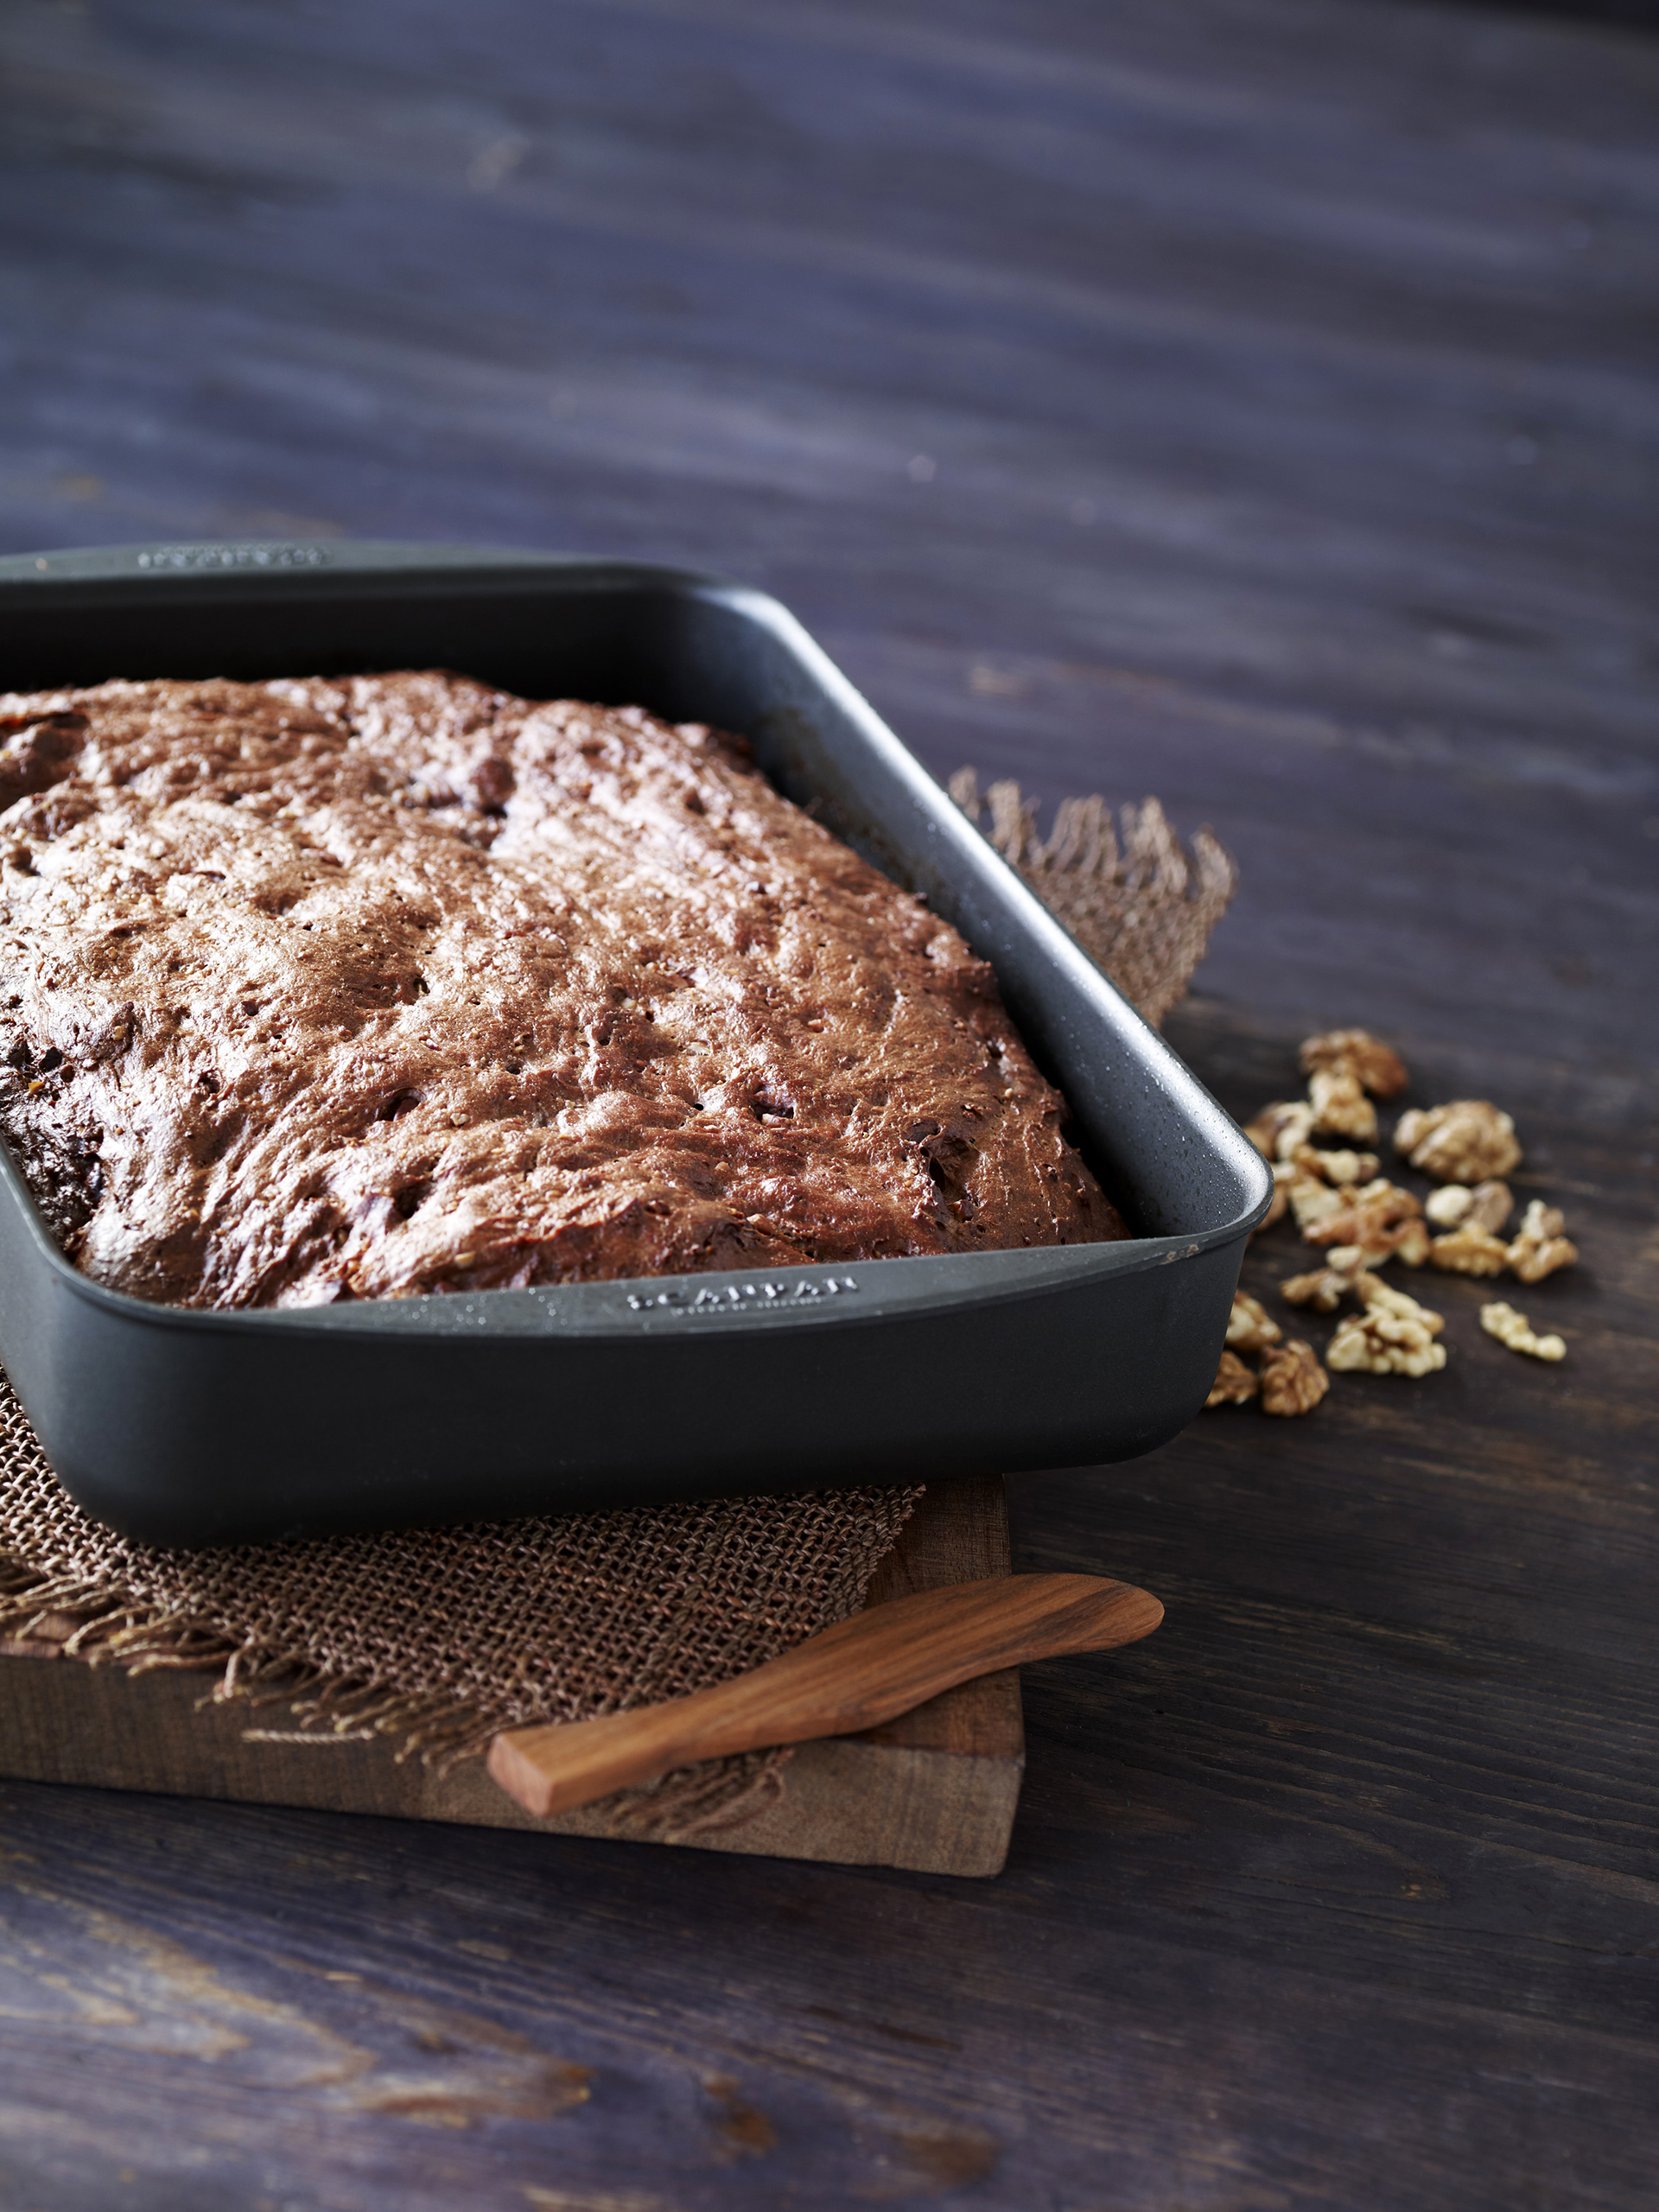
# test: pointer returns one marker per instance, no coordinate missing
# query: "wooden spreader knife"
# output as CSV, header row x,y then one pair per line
x,y
856,1675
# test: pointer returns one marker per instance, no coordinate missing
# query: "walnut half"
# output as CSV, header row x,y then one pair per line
x,y
1340,1106
1251,1327
1324,1288
1234,1383
1454,1206
1470,1250
1338,1168
1394,1336
1279,1129
1376,1064
1463,1142
1514,1330
1293,1382
1379,1217
1539,1247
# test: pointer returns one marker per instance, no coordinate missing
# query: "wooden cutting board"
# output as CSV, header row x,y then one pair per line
x,y
935,1790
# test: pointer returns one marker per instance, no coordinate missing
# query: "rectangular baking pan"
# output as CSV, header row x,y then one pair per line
x,y
180,1427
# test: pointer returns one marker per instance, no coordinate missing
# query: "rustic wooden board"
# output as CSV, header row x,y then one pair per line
x,y
935,1790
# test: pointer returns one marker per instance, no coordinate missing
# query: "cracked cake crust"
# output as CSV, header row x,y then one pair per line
x,y
319,989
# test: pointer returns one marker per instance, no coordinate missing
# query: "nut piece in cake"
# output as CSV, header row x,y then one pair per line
x,y
1540,1246
1469,1250
1234,1384
1251,1327
1463,1142
1293,1382
1377,1066
1514,1330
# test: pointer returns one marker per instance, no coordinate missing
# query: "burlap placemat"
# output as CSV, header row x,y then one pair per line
x,y
1136,902
445,1636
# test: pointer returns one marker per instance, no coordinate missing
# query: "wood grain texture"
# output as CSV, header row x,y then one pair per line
x,y
935,1789
1285,367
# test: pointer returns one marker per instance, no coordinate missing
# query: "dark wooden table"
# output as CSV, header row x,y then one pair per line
x,y
1250,402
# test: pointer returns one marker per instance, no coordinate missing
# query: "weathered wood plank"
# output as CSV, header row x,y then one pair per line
x,y
935,1789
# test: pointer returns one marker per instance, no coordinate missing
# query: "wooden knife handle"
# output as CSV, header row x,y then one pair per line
x,y
862,1671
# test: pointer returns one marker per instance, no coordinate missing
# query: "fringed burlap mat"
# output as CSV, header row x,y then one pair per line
x,y
1135,900
445,1636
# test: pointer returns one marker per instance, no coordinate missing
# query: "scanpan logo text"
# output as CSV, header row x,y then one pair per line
x,y
747,1298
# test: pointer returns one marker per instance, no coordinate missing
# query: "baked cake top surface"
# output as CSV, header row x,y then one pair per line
x,y
318,989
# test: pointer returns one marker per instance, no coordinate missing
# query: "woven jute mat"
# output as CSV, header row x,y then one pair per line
x,y
444,1636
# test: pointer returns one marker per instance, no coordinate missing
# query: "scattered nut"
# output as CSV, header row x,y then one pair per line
x,y
1463,1142
1470,1250
1279,1129
1362,1220
1446,1207
1340,1106
1338,1168
1377,1066
1293,1382
1514,1330
1234,1382
1394,1336
1251,1327
1454,1206
1539,1247
1380,1218
1312,1201
1324,1289
1381,1297
1492,1206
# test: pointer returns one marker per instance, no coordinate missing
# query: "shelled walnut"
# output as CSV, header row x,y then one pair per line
x,y
1341,1168
1454,1206
1312,1201
1470,1250
1539,1247
1394,1334
1279,1128
1339,1105
1465,1141
1293,1380
1338,1201
1323,1288
1380,1218
1377,1066
1235,1383
1251,1327
1513,1329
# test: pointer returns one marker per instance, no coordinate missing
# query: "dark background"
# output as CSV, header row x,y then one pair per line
x,y
1246,401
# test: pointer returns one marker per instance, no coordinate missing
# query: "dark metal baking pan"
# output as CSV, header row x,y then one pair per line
x,y
192,1427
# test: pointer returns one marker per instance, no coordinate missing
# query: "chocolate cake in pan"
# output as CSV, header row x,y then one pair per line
x,y
314,990
701,1136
